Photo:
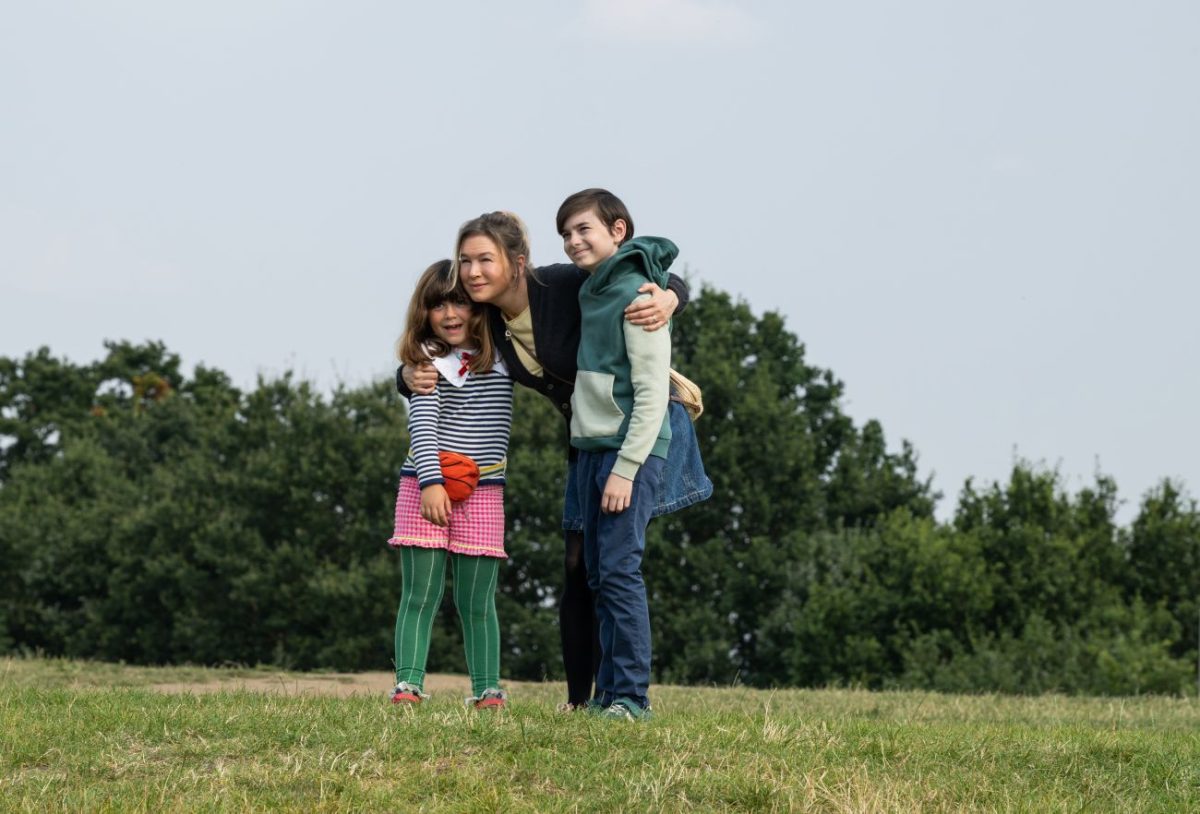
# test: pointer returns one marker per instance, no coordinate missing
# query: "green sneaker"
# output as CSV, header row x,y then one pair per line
x,y
593,707
626,709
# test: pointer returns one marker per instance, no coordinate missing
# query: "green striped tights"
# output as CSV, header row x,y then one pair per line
x,y
423,580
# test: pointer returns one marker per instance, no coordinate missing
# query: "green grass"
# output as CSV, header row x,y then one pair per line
x,y
86,737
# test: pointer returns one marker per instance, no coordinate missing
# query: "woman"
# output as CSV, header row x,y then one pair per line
x,y
534,319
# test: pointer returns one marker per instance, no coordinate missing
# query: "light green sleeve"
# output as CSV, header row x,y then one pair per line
x,y
650,366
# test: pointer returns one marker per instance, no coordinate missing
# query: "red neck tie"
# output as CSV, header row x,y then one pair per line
x,y
466,363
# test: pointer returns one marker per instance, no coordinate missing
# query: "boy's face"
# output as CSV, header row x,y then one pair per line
x,y
588,242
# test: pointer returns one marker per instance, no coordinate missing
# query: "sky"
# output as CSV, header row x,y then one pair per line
x,y
982,216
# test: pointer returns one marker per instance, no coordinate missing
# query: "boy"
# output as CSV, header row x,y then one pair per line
x,y
619,423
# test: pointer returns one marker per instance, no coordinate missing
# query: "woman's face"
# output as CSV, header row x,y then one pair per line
x,y
483,269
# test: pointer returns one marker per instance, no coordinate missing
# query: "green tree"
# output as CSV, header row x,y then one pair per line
x,y
785,460
154,516
1050,554
1164,560
174,519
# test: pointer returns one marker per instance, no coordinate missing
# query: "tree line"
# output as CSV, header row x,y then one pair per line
x,y
153,516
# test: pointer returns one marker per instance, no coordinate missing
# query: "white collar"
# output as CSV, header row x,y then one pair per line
x,y
452,367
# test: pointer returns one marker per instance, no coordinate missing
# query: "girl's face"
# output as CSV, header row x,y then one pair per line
x,y
483,269
449,321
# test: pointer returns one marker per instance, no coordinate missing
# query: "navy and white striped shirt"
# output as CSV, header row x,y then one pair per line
x,y
474,419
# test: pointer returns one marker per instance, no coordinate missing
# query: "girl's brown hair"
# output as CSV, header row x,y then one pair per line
x,y
419,343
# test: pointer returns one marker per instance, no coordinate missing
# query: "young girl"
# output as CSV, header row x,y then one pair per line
x,y
469,412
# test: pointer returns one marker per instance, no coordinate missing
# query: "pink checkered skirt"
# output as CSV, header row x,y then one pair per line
x,y
476,524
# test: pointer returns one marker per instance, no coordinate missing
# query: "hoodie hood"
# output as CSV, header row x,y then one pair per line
x,y
650,257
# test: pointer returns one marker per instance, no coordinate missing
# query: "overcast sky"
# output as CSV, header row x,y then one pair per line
x,y
982,216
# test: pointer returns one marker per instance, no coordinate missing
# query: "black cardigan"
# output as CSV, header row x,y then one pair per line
x,y
554,311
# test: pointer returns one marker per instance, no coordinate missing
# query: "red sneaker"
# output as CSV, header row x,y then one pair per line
x,y
490,698
406,693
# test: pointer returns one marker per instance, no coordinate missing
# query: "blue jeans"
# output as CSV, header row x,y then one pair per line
x,y
613,545
684,480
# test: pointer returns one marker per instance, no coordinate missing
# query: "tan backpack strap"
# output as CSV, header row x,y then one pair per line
x,y
512,337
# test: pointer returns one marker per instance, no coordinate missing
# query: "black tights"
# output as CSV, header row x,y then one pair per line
x,y
577,623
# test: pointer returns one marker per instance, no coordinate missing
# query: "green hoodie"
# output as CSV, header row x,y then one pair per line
x,y
622,387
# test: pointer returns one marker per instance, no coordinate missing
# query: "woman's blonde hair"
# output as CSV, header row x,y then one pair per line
x,y
419,343
507,231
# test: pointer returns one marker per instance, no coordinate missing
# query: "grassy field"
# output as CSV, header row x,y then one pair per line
x,y
90,737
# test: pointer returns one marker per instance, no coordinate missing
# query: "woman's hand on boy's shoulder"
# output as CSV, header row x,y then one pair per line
x,y
652,312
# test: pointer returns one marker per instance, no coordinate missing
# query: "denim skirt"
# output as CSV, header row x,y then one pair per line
x,y
684,480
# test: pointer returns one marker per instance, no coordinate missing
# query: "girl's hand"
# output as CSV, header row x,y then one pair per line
x,y
651,312
618,494
435,505
422,379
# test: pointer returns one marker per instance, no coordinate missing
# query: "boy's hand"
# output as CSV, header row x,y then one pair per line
x,y
435,504
421,379
618,493
651,312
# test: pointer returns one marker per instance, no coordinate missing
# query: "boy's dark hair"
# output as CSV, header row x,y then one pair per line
x,y
609,208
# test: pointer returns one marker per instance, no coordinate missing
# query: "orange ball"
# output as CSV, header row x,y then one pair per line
x,y
461,474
